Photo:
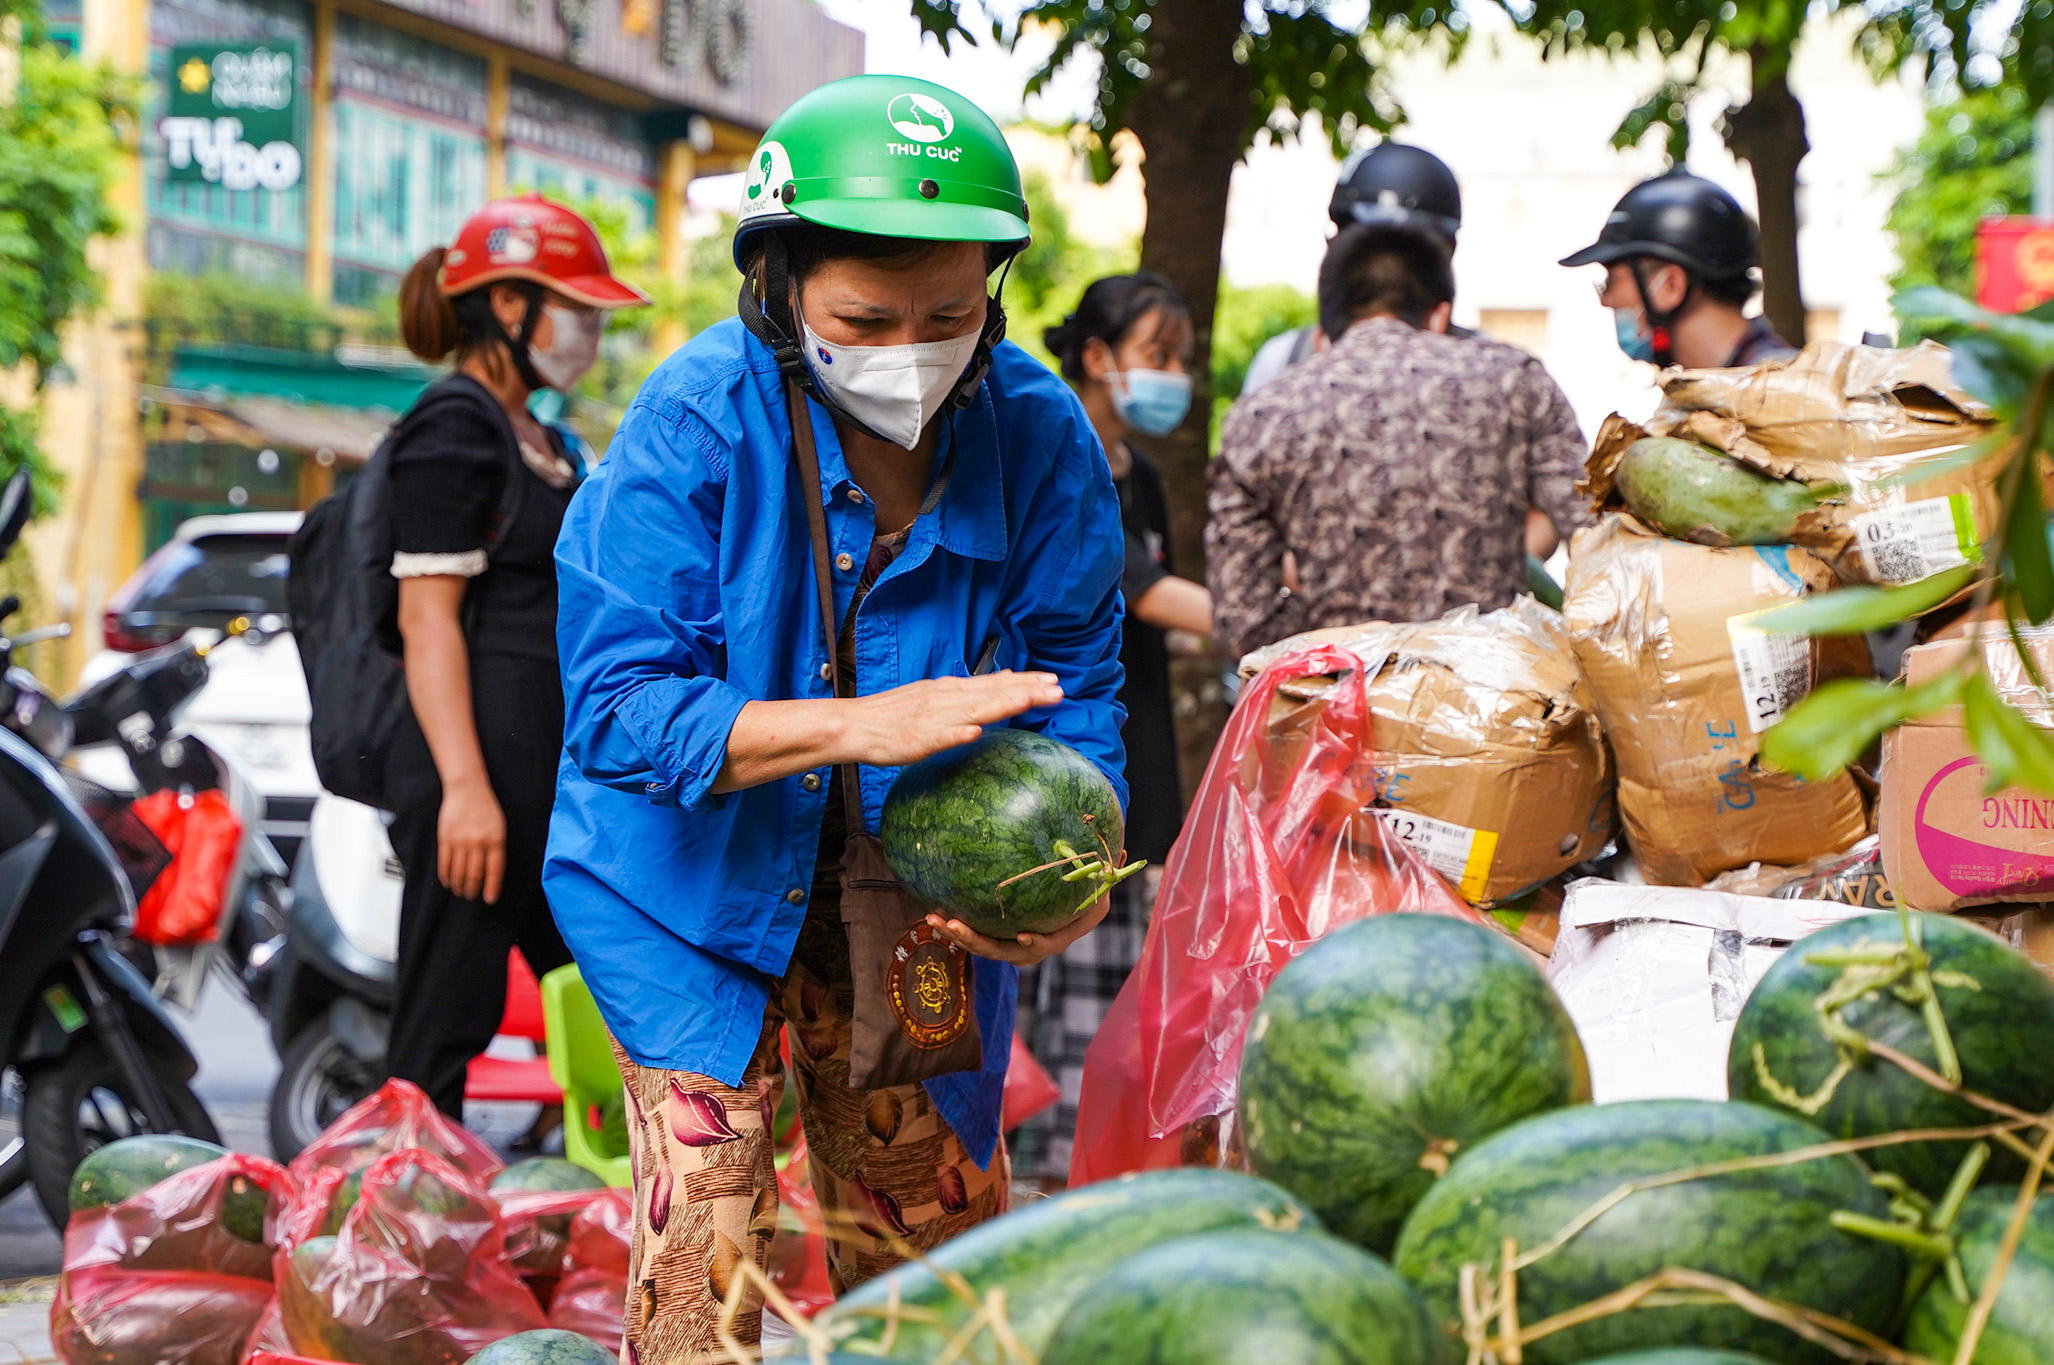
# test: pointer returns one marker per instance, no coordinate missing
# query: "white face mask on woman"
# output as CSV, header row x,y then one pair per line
x,y
573,344
893,390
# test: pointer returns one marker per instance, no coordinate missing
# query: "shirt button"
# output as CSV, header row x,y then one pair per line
x,y
856,496
811,782
826,672
654,789
795,896
845,562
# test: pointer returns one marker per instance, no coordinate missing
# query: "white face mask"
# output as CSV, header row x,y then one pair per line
x,y
573,345
893,390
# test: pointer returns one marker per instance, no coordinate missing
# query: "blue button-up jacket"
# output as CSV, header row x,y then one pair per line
x,y
685,589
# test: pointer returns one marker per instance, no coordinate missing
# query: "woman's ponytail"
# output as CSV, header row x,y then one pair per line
x,y
1058,341
427,321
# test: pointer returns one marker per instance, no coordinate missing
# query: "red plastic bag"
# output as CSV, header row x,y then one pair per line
x,y
267,1340
1279,849
204,837
602,1233
417,1276
593,1303
109,1316
1029,1088
396,1117
217,1217
538,1233
798,1253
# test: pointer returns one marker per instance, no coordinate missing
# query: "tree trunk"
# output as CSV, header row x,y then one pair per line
x,y
1768,134
1190,118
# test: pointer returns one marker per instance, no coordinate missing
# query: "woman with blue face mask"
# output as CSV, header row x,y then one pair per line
x,y
847,530
1126,350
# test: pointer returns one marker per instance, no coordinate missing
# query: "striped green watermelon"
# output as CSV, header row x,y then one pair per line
x,y
2000,1025
548,1346
1768,1230
131,1165
1386,1049
546,1173
1234,1298
1014,832
2021,1330
1048,1252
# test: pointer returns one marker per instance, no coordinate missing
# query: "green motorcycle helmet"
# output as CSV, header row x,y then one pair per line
x,y
886,155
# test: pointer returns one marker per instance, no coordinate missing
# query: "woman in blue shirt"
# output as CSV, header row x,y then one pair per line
x,y
972,558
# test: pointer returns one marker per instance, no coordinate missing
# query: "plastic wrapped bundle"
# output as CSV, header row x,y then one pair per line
x,y
1685,682
1490,761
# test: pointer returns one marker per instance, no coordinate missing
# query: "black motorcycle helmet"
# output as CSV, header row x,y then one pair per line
x,y
1398,185
1680,218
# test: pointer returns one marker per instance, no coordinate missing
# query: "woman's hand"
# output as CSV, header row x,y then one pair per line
x,y
907,724
470,841
1026,949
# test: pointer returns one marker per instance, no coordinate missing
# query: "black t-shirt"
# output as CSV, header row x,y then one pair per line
x,y
1155,802
449,474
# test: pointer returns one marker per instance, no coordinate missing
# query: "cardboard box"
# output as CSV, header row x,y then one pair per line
x,y
1654,978
1850,421
1489,758
1685,683
1946,843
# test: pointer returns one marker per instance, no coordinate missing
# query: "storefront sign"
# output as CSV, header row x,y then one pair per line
x,y
2014,263
233,115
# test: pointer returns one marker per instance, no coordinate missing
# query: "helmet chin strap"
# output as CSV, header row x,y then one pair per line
x,y
770,321
517,343
1661,324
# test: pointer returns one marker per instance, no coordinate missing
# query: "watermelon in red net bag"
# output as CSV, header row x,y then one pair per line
x,y
417,1275
592,1303
396,1117
213,1217
105,1315
1281,847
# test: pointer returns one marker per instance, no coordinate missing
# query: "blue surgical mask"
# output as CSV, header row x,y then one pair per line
x,y
1636,346
1152,402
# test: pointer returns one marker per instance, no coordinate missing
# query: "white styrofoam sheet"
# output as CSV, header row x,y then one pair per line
x,y
1654,977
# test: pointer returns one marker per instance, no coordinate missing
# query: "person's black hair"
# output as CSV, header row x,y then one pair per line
x,y
1109,311
808,246
1735,292
1372,269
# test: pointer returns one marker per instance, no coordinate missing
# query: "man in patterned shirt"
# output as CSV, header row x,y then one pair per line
x,y
1393,472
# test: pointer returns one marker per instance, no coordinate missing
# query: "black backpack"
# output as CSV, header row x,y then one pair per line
x,y
344,603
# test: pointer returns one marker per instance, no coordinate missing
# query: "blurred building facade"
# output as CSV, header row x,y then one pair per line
x,y
321,146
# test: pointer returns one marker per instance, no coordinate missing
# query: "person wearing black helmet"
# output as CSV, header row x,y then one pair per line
x,y
1388,185
1680,257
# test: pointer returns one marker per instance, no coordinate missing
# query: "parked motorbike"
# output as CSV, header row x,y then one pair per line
x,y
96,1055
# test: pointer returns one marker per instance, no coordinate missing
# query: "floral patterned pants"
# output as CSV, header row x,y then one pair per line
x,y
706,1193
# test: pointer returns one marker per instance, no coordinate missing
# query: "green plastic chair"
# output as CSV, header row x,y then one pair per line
x,y
595,1129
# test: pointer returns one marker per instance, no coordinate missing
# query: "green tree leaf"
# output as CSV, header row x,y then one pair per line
x,y
1838,721
1855,611
2025,543
2017,752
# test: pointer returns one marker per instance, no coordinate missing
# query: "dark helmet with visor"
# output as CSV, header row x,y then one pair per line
x,y
1680,218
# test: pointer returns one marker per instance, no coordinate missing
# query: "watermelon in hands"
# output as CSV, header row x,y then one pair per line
x,y
1012,833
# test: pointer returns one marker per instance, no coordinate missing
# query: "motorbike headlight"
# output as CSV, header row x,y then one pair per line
x,y
37,717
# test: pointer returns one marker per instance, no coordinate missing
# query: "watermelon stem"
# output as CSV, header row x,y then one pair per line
x,y
1925,1245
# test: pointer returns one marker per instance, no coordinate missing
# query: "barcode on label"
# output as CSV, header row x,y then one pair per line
x,y
1775,669
1460,854
1916,539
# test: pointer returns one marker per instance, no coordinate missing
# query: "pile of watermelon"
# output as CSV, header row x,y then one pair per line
x,y
1431,1185
396,1238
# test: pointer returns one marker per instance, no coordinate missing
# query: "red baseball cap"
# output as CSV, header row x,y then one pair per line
x,y
529,238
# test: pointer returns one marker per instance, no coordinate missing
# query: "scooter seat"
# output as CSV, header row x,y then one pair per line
x,y
513,1079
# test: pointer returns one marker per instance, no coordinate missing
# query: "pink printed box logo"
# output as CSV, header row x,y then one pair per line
x,y
2008,846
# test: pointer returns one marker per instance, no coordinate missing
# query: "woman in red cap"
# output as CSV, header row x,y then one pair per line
x,y
479,488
